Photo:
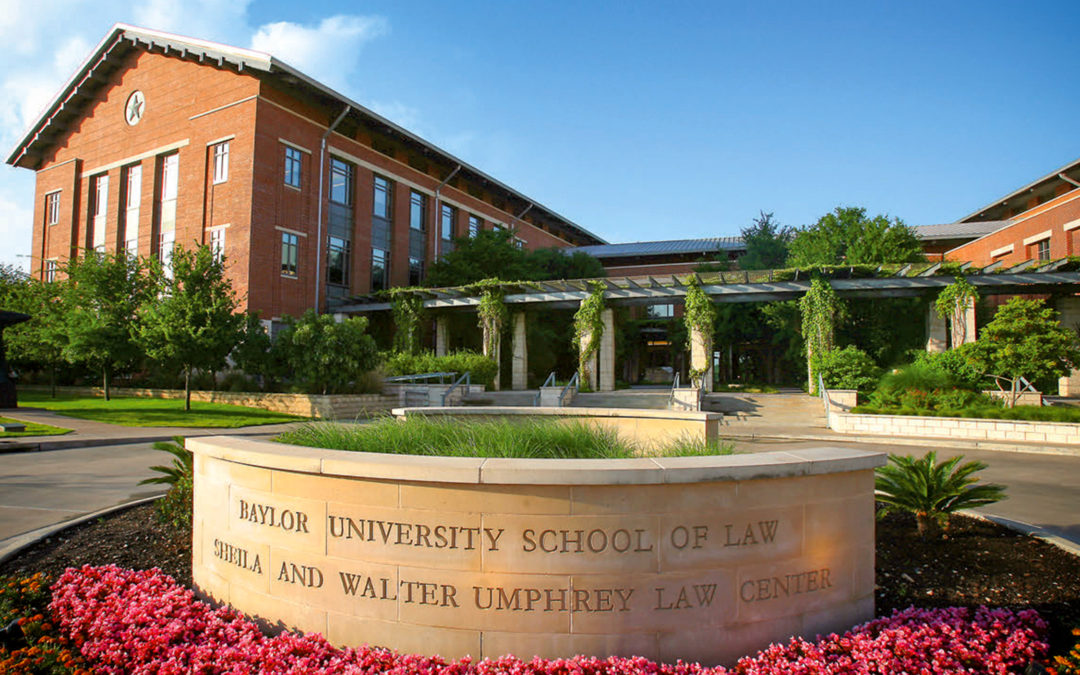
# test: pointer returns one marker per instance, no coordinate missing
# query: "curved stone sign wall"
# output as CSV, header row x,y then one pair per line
x,y
696,558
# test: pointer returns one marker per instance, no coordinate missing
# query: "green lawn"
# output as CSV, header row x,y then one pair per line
x,y
153,412
31,429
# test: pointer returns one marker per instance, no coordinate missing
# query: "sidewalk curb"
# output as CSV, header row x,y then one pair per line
x,y
12,545
1034,531
925,442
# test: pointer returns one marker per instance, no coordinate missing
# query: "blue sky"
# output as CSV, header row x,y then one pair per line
x,y
646,121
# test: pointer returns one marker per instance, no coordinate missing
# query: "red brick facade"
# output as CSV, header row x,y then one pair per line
x,y
192,105
1055,222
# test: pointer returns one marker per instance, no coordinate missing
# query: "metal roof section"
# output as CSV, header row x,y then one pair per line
x,y
87,81
959,230
1051,178
740,286
669,247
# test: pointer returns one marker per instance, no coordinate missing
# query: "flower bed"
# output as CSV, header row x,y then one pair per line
x,y
127,621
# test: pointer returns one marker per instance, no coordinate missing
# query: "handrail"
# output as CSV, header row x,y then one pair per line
x,y
466,378
674,386
824,394
572,383
421,377
549,382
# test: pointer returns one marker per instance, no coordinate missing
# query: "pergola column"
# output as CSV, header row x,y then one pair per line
x,y
520,362
606,353
1069,311
701,357
935,330
492,340
969,325
441,336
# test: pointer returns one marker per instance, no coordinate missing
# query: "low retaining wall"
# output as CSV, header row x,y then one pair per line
x,y
696,558
1050,433
335,406
647,427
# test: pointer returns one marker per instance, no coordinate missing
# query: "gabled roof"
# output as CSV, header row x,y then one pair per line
x,y
94,74
961,230
669,247
1043,188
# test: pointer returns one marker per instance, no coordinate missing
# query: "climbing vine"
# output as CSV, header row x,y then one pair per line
x,y
408,310
952,303
820,308
699,315
492,312
589,322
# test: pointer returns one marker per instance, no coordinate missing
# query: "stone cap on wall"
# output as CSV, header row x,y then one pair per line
x,y
506,471
540,411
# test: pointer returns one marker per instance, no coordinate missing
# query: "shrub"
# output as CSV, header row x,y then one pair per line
x,y
32,645
1070,663
930,490
175,507
128,621
847,368
482,368
928,402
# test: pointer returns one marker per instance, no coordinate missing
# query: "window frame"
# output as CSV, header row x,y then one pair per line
x,y
221,162
342,167
217,243
52,207
48,271
417,210
447,218
345,250
290,255
294,167
1042,249
384,185
476,224
385,266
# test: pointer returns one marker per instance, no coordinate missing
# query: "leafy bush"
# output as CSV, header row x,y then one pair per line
x,y
959,364
928,401
144,622
175,507
931,490
32,644
847,368
402,363
990,411
326,356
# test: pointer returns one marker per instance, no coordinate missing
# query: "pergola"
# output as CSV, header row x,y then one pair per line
x,y
887,281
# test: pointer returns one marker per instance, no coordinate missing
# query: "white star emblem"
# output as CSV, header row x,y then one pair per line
x,y
133,109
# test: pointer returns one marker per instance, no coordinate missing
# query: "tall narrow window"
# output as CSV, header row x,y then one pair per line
x,y
99,212
341,174
217,243
417,206
446,222
49,274
337,264
221,162
416,271
166,234
379,269
166,242
475,225
292,167
52,208
1042,249
339,251
381,201
132,199
290,248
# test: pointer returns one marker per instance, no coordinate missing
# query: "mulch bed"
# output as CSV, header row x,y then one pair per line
x,y
977,563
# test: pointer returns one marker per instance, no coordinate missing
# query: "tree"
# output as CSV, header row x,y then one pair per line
x,y
1025,340
491,254
848,237
100,302
40,341
820,308
766,244
930,490
193,323
952,303
253,353
325,355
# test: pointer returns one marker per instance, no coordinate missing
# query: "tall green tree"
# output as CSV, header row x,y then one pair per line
x,y
39,342
325,356
1025,340
193,324
101,298
847,236
766,243
491,254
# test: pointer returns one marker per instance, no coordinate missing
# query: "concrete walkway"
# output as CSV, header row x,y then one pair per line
x,y
87,433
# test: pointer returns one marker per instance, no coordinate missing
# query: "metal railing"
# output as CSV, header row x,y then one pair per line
x,y
466,379
671,396
824,394
549,382
572,384
422,377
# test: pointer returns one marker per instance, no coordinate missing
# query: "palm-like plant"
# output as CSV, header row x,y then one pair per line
x,y
931,490
182,467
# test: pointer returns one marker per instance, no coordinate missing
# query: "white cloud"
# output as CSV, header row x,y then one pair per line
x,y
217,20
16,214
328,52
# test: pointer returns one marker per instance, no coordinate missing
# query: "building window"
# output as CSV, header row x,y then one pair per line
x,y
341,182
380,269
52,208
475,225
99,212
337,265
519,243
292,167
417,205
660,311
221,162
1042,249
217,243
132,198
416,271
381,207
446,222
166,213
49,274
290,247
166,240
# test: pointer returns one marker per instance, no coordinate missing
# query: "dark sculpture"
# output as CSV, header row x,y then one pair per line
x,y
8,396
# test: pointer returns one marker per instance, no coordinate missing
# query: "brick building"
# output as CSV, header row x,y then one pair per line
x,y
160,140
